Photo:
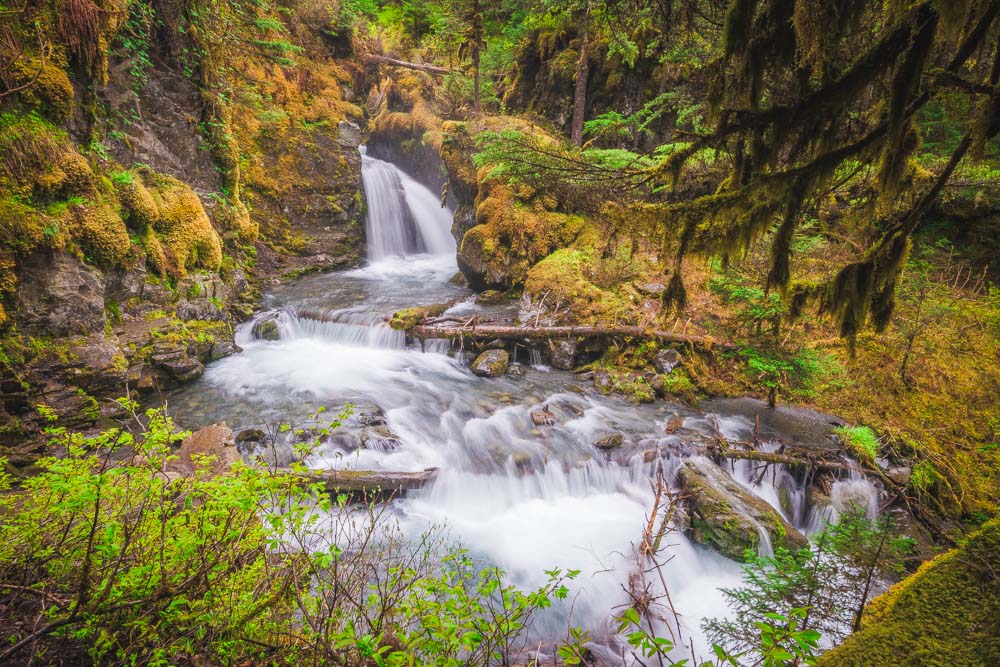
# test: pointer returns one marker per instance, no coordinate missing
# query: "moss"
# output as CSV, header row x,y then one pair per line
x,y
101,234
138,206
410,317
51,92
234,218
563,277
861,441
184,230
947,613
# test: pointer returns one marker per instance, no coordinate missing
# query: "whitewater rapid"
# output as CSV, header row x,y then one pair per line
x,y
523,497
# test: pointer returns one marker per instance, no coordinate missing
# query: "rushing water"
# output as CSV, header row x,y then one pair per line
x,y
521,496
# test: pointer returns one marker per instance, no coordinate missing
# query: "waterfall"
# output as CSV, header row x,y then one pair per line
x,y
404,218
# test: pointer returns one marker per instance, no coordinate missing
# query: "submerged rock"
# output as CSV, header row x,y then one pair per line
x,y
491,363
727,517
379,438
543,416
491,297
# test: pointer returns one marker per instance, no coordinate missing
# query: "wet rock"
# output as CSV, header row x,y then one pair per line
x,y
200,309
899,474
266,330
543,416
249,435
379,439
516,371
459,280
216,441
277,454
603,382
491,363
222,349
176,365
58,296
491,298
563,354
725,516
666,360
610,442
372,418
495,344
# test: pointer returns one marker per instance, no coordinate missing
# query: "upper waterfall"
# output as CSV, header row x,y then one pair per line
x,y
404,217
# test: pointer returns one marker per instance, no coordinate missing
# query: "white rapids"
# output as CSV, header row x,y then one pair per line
x,y
523,497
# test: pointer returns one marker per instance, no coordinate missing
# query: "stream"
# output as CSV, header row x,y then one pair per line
x,y
526,498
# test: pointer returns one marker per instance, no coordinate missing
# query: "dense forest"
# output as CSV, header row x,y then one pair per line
x,y
500,332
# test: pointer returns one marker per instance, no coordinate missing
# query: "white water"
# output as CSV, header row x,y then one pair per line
x,y
523,497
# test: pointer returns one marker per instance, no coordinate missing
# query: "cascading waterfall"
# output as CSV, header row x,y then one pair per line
x,y
524,497
404,218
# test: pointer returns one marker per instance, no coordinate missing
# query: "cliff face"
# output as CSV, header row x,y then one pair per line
x,y
159,163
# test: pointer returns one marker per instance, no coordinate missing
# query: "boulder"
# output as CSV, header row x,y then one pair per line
x,y
379,439
563,354
348,134
60,296
216,440
266,329
491,298
611,442
491,363
543,416
249,435
724,515
666,360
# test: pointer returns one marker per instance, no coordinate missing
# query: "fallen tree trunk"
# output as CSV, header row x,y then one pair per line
x,y
393,62
765,457
492,331
369,484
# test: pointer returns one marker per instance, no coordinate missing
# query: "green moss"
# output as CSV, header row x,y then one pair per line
x,y
410,317
947,613
861,441
101,234
50,91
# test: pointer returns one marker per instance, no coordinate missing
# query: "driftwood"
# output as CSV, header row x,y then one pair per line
x,y
393,62
766,457
492,332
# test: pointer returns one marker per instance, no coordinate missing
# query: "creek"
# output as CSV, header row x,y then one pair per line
x,y
526,498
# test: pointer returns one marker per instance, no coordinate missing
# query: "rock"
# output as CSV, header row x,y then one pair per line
x,y
603,382
277,454
491,363
249,435
215,440
666,360
459,280
176,364
650,289
490,298
200,309
348,134
724,515
563,354
372,418
899,474
58,296
611,442
266,329
222,349
379,439
543,416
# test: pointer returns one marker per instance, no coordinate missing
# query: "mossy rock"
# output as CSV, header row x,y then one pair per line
x,y
406,319
946,613
50,90
189,241
727,517
100,232
491,363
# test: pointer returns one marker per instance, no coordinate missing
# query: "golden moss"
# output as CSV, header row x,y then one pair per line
x,y
100,233
947,613
156,259
138,205
188,238
51,92
234,219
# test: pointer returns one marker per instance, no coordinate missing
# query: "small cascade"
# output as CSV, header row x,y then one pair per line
x,y
351,326
404,218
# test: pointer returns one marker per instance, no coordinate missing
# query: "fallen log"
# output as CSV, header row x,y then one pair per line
x,y
492,332
369,484
650,455
393,62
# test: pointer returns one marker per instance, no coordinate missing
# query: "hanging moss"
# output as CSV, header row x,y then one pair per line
x,y
99,231
189,241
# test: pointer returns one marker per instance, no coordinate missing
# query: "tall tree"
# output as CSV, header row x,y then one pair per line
x,y
582,72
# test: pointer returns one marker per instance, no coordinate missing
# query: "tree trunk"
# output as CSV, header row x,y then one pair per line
x,y
493,331
477,17
582,71
373,58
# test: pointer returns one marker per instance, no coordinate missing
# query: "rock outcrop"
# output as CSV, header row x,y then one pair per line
x,y
725,516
